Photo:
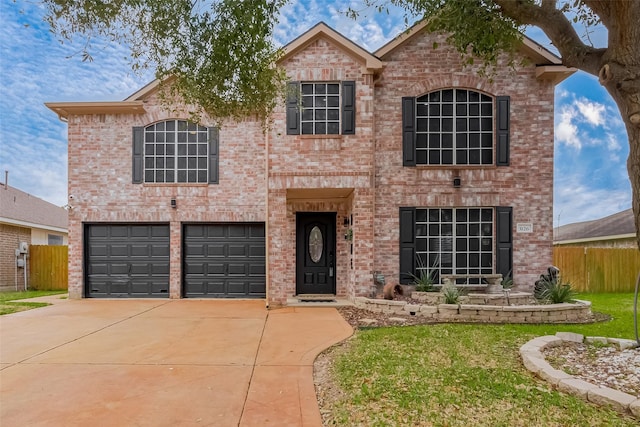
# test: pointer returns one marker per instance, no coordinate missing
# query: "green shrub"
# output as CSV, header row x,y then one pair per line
x,y
554,291
451,294
507,281
424,282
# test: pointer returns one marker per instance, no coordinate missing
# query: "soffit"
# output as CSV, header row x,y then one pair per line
x,y
66,109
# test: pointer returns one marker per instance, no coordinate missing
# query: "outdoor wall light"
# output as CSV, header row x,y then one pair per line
x,y
457,182
173,203
346,221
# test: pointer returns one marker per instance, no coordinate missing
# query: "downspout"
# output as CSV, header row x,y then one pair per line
x,y
267,237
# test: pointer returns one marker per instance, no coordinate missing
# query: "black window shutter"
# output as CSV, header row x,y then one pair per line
x,y
138,155
293,108
504,240
408,131
407,244
214,136
348,108
502,130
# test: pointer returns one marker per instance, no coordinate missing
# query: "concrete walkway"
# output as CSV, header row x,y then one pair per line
x,y
163,363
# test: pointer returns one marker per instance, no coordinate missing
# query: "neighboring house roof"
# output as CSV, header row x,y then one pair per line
x,y
548,67
617,226
25,210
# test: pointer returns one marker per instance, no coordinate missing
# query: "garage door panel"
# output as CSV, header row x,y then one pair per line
x,y
256,251
216,250
257,269
239,269
160,251
127,260
159,231
119,250
236,250
118,231
233,257
193,250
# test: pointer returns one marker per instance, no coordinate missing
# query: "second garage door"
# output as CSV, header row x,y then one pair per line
x,y
224,260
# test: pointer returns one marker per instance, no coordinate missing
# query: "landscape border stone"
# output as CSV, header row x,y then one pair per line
x,y
533,359
576,312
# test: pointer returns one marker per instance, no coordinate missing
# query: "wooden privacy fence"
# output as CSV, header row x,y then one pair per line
x,y
48,267
598,269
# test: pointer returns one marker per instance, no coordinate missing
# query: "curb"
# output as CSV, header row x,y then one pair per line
x,y
534,361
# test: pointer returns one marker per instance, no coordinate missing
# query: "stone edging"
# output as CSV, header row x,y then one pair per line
x,y
534,361
481,313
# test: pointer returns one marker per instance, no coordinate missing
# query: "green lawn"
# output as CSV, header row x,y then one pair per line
x,y
464,375
8,304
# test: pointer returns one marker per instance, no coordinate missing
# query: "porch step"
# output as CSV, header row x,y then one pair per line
x,y
309,300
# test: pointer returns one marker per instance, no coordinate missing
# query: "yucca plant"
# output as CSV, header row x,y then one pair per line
x,y
554,291
424,281
451,294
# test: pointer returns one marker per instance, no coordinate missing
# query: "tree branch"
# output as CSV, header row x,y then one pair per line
x,y
574,52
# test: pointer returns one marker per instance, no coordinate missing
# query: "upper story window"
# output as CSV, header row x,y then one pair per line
x,y
455,127
321,108
175,151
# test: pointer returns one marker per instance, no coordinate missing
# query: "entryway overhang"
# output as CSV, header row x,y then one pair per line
x,y
316,194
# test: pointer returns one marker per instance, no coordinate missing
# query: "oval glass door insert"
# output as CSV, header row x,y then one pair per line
x,y
315,244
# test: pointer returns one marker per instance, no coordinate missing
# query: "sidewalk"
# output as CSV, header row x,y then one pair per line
x,y
163,363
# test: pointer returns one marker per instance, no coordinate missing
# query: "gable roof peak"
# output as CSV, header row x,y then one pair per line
x,y
324,31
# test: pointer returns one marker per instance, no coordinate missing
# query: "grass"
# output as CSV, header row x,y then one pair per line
x,y
8,304
464,375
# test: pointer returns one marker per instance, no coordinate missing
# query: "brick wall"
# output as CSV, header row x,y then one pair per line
x,y
323,162
11,236
527,184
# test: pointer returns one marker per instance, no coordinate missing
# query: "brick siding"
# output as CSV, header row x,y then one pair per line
x,y
11,236
368,165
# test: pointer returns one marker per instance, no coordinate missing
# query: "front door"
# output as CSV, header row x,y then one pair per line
x,y
315,253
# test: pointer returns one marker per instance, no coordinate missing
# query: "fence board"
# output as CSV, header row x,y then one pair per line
x,y
598,269
48,267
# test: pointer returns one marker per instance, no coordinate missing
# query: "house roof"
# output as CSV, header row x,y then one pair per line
x,y
616,226
25,210
321,30
548,67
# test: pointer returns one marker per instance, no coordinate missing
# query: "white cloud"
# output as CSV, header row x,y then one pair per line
x,y
566,131
577,200
593,112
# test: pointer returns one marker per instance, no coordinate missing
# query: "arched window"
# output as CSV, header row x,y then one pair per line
x,y
455,127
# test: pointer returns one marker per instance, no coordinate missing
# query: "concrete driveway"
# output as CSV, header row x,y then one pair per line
x,y
163,363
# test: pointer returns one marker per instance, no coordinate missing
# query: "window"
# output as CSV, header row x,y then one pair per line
x,y
175,151
321,108
455,127
54,240
455,240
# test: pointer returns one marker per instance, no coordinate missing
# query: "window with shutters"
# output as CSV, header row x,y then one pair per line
x,y
321,108
175,151
455,127
464,241
454,241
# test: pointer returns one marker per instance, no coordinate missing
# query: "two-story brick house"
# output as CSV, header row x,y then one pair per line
x,y
389,161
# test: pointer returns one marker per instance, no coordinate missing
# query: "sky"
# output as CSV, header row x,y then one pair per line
x,y
591,146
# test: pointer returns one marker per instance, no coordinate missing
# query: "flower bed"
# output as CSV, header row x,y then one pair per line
x,y
577,312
